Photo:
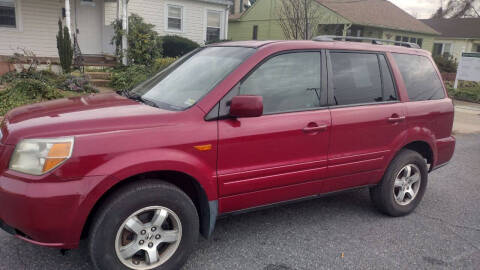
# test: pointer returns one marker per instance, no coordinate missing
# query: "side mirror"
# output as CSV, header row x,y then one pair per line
x,y
246,106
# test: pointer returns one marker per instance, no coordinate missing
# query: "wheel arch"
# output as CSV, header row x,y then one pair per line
x,y
423,148
207,210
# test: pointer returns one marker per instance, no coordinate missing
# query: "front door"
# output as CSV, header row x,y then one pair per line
x,y
90,25
287,146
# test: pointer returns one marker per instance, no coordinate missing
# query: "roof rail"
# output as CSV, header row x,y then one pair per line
x,y
373,40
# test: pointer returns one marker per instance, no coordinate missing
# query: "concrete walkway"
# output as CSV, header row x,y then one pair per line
x,y
467,118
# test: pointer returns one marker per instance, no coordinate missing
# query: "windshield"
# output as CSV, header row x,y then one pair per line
x,y
191,77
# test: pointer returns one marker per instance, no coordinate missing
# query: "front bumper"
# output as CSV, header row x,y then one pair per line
x,y
44,213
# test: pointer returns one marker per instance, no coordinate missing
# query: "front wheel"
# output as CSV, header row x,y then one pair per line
x,y
403,185
145,225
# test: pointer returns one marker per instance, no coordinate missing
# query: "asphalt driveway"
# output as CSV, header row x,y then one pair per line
x,y
341,232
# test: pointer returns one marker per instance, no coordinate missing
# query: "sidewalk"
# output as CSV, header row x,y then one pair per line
x,y
467,117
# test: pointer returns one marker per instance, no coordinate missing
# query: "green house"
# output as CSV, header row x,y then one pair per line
x,y
367,18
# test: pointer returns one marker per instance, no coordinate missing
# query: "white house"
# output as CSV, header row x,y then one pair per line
x,y
33,24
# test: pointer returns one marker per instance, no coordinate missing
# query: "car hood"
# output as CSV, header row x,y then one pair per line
x,y
81,115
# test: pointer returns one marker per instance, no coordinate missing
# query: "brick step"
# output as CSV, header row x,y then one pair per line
x,y
100,82
99,75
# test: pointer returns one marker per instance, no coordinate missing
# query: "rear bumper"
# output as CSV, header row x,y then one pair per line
x,y
44,213
445,150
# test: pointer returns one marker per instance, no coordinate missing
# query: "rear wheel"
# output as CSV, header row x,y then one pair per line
x,y
403,185
146,225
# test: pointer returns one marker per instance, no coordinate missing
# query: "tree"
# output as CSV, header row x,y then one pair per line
x,y
144,43
65,48
458,9
298,18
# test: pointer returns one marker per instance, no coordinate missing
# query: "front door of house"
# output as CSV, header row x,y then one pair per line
x,y
90,25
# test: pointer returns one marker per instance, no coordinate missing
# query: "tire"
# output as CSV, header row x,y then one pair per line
x,y
142,207
387,197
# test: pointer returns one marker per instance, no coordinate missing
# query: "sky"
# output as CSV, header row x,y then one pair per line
x,y
421,9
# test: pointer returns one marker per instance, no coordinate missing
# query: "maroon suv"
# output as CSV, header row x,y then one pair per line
x,y
228,127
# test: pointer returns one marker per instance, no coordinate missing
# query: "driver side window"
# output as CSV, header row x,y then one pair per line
x,y
287,82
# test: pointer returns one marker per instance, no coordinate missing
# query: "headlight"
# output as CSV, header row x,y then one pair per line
x,y
39,156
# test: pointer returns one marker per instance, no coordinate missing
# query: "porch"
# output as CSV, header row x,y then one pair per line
x,y
89,24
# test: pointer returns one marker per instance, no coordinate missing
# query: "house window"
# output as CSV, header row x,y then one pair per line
x,y
478,48
255,32
213,25
443,49
175,18
418,41
7,14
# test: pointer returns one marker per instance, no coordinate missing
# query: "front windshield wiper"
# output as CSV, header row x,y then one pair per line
x,y
137,97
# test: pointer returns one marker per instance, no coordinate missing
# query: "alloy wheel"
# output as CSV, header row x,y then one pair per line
x,y
148,238
407,184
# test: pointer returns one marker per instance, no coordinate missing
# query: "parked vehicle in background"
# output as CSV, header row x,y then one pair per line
x,y
229,127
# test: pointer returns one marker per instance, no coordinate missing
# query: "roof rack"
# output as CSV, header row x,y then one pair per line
x,y
373,40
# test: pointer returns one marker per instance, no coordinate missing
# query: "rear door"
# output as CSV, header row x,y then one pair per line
x,y
267,159
368,119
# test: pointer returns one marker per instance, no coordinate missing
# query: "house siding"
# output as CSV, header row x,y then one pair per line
x,y
36,29
427,39
264,13
154,12
459,45
37,23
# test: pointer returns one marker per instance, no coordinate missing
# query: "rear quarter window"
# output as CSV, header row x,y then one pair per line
x,y
421,79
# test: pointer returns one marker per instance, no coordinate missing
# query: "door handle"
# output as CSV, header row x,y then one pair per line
x,y
319,128
395,118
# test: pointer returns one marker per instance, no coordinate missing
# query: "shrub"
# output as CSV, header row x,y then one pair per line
x,y
127,77
26,91
144,43
466,91
217,41
446,64
162,63
77,84
176,46
64,46
44,76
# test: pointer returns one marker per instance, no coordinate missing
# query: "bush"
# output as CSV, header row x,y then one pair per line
x,y
466,91
162,63
44,76
77,84
26,91
144,43
128,77
125,78
446,64
65,48
217,41
176,46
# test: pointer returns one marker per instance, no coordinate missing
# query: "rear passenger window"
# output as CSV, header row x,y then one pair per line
x,y
421,79
357,79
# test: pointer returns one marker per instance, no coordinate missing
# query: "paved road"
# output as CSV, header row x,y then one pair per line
x,y
443,233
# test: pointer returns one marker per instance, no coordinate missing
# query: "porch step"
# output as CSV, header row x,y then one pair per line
x,y
99,60
100,82
99,75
